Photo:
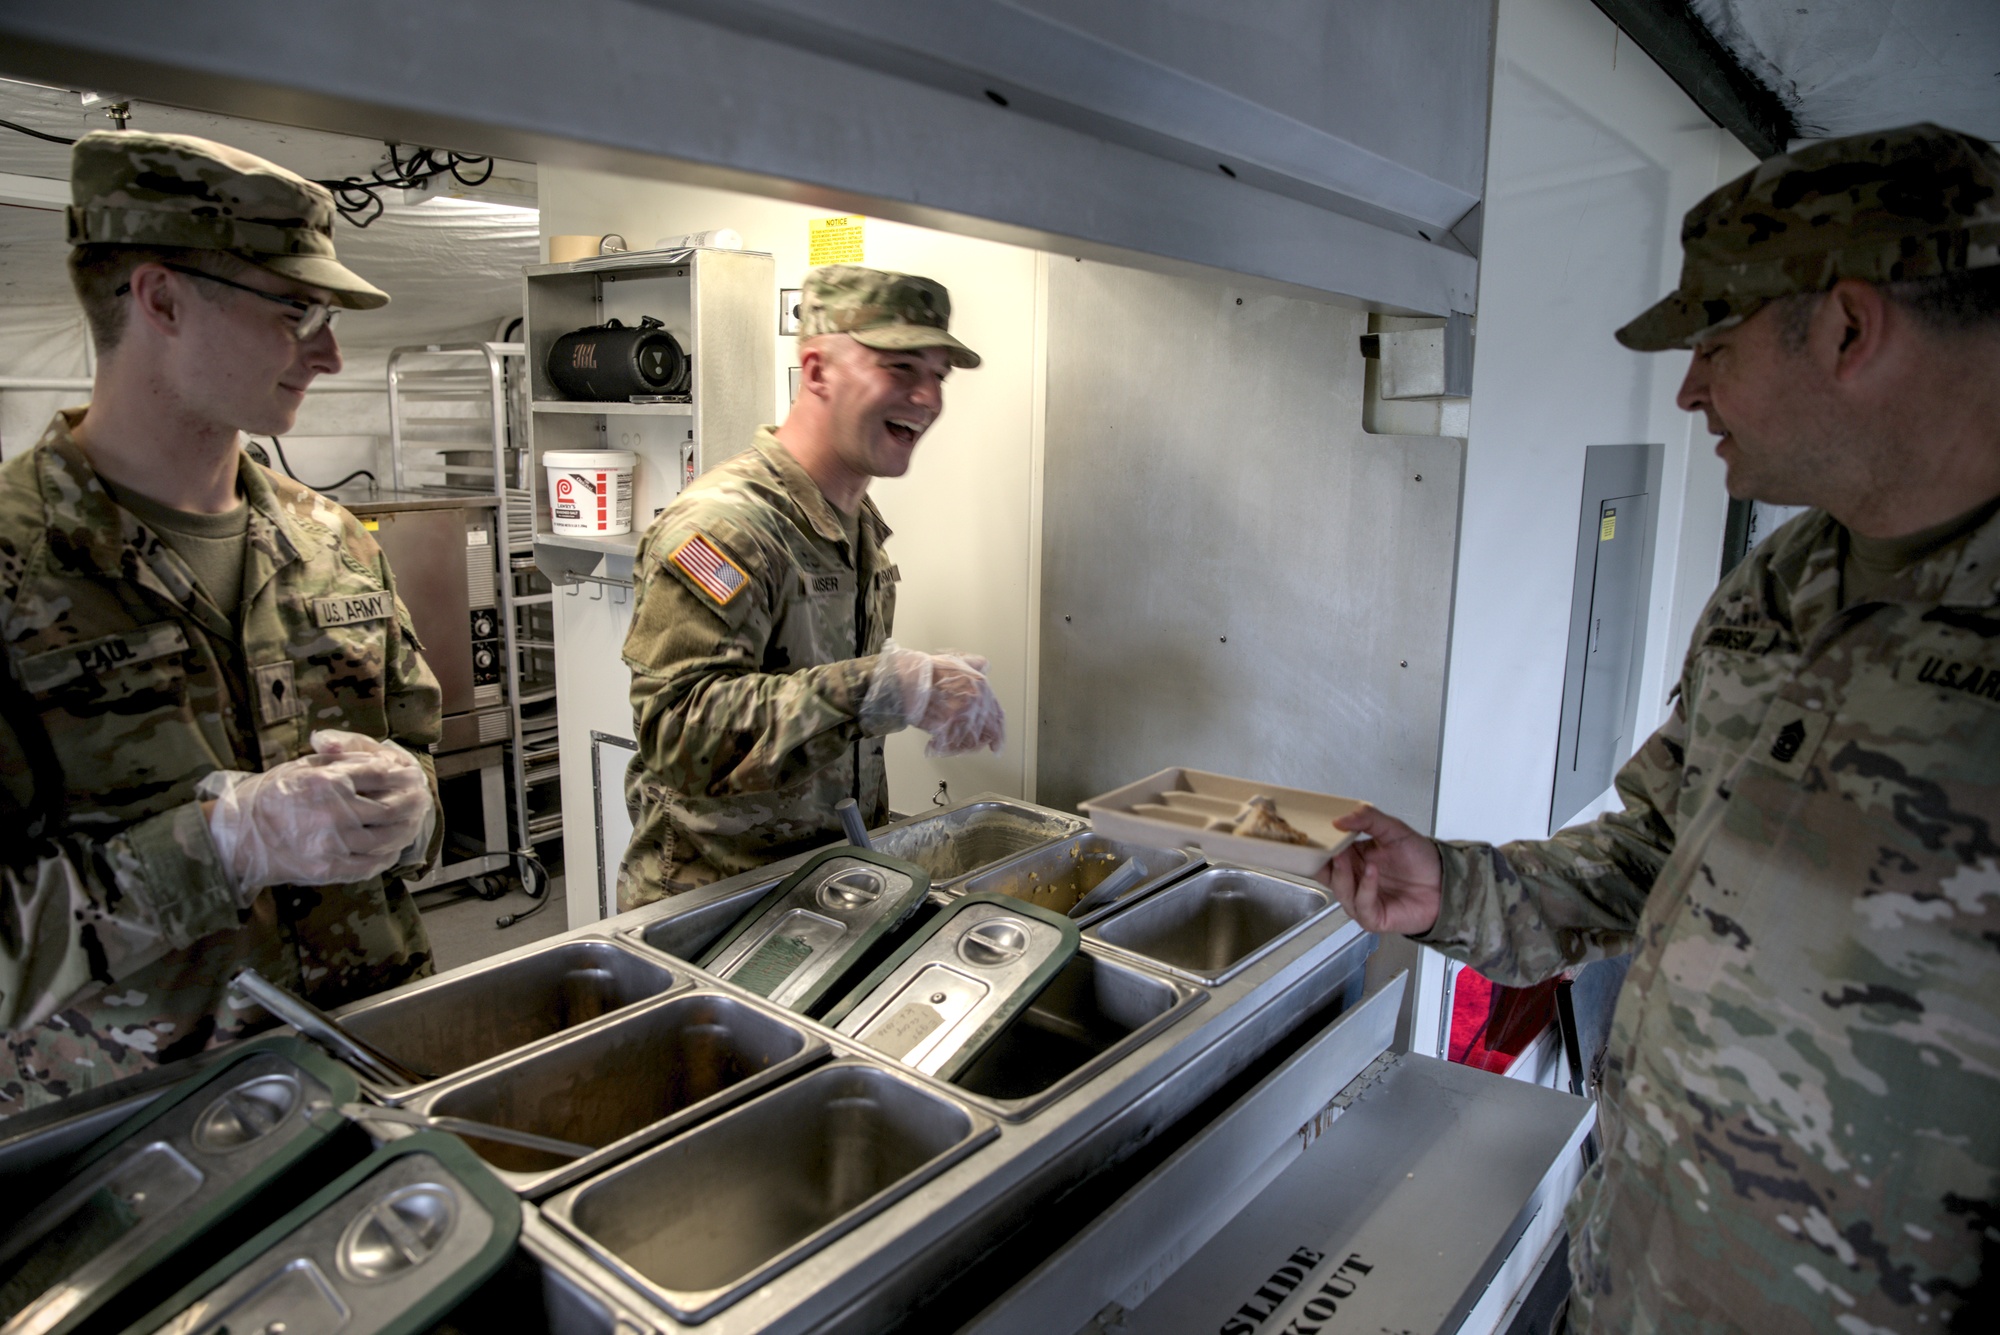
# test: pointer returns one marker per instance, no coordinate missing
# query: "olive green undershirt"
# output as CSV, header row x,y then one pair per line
x,y
1868,564
851,523
212,545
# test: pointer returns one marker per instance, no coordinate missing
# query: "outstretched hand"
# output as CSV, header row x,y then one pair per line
x,y
1389,882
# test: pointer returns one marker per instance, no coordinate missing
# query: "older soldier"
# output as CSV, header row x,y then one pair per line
x,y
1801,1095
763,679
210,684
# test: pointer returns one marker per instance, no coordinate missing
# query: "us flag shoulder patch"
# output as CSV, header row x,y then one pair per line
x,y
712,572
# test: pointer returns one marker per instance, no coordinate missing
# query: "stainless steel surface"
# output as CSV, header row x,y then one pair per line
x,y
696,920
699,1221
326,1031
356,1266
1215,922
953,843
1091,1015
816,931
625,1084
1138,1241
1160,636
1059,875
1428,1181
469,1017
108,1216
1114,887
465,1126
1119,1054
1112,148
967,974
426,551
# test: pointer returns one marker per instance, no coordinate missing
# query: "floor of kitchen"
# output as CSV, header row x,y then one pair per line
x,y
463,927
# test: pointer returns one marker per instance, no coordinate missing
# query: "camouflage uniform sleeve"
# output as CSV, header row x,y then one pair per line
x,y
77,911
1525,911
709,720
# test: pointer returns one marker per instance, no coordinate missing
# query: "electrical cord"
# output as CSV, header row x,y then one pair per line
x,y
38,134
359,199
524,864
292,473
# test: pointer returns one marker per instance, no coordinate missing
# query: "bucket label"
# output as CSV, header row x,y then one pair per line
x,y
592,501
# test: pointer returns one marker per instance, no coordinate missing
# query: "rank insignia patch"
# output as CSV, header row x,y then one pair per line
x,y
712,572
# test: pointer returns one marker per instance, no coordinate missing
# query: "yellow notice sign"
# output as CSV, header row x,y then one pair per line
x,y
834,240
1608,529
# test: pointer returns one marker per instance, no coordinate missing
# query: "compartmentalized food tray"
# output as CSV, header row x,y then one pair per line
x,y
1172,809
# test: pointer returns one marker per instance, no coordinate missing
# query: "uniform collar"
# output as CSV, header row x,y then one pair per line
x,y
89,530
1967,573
806,495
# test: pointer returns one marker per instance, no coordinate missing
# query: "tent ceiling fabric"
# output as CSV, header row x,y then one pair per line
x,y
451,266
1850,66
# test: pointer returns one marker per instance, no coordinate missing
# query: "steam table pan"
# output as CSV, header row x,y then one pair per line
x,y
1056,876
1214,924
700,1221
625,1084
468,1019
953,844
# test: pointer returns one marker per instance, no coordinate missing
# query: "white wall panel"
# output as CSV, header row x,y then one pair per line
x,y
1594,156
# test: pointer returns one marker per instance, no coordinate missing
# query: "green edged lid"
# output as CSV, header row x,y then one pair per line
x,y
1022,997
830,983
465,1170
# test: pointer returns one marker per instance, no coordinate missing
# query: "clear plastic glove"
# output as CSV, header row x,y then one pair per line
x,y
350,811
946,694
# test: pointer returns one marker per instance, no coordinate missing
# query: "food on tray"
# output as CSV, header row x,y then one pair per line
x,y
1259,819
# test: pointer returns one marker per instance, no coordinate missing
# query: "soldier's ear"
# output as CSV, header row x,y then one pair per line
x,y
1853,325
158,298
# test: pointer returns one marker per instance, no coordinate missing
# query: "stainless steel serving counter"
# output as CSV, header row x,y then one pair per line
x,y
752,1169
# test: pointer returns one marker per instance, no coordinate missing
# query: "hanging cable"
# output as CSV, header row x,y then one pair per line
x,y
290,473
30,130
359,198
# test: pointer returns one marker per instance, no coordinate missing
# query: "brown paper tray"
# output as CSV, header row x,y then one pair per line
x,y
1171,809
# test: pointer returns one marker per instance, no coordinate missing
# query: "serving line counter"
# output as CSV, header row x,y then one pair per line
x,y
733,1165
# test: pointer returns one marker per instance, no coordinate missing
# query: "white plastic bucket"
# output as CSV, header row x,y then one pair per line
x,y
590,491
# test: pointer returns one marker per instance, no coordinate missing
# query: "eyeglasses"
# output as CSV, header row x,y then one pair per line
x,y
309,317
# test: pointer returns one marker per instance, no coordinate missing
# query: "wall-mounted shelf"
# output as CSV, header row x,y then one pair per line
x,y
613,408
570,558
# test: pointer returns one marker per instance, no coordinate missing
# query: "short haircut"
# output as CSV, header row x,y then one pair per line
x,y
1964,301
98,270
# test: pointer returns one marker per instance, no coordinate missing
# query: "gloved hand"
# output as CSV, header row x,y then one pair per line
x,y
353,809
946,694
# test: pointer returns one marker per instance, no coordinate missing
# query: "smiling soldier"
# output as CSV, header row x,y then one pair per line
x,y
763,678
1800,1103
213,712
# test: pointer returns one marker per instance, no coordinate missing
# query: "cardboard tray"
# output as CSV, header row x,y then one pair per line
x,y
1171,809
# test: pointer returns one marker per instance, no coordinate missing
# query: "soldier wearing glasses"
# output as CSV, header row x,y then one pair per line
x,y
214,716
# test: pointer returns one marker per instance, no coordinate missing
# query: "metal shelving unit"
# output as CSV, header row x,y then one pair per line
x,y
458,416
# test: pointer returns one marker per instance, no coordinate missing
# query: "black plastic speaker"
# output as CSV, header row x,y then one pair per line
x,y
612,362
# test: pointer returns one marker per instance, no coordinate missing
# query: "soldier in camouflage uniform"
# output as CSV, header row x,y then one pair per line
x,y
1800,1106
194,779
763,678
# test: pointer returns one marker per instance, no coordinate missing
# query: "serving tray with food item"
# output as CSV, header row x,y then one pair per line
x,y
1241,820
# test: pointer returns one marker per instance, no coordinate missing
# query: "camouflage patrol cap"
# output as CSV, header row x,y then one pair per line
x,y
137,189
1882,207
879,309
